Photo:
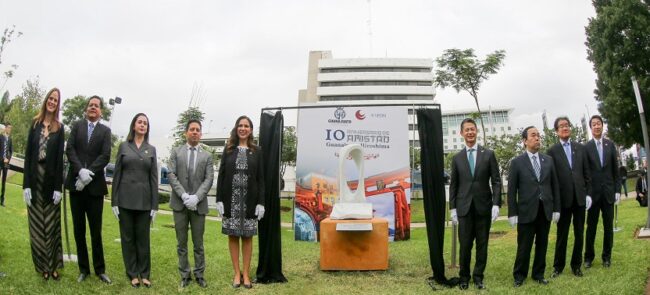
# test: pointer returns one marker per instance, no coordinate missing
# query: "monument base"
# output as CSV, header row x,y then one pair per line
x,y
351,211
354,248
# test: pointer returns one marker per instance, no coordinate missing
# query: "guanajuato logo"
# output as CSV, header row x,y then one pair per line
x,y
339,115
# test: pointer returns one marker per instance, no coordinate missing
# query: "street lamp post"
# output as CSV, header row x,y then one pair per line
x,y
644,129
113,102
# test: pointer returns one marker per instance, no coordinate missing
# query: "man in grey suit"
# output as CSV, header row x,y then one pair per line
x,y
533,201
474,204
190,176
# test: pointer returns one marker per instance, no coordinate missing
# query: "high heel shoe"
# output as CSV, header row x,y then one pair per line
x,y
55,276
249,285
135,283
46,276
237,285
146,283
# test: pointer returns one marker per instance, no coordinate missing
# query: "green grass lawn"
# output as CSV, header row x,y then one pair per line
x,y
409,262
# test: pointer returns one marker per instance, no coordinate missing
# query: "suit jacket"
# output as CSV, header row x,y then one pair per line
x,y
135,180
93,155
524,190
10,149
465,188
604,179
53,161
575,180
179,178
227,170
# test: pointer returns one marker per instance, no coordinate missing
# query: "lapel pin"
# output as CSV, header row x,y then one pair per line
x,y
146,151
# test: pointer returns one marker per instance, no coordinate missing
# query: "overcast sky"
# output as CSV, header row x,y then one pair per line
x,y
246,55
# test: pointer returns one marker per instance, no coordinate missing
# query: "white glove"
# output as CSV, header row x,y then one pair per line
x,y
86,176
495,212
220,208
556,217
56,196
191,203
79,185
185,197
513,220
27,195
153,215
259,212
588,202
454,217
116,212
618,198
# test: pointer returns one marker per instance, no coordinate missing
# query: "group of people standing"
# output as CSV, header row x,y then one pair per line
x,y
134,197
572,180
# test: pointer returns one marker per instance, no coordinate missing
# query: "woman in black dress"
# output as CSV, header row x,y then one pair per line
x,y
42,183
240,195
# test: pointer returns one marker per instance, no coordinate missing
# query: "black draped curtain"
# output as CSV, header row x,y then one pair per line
x,y
433,187
269,266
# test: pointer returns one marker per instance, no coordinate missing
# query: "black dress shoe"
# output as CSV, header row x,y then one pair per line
x,y
542,281
518,283
587,264
577,272
82,277
463,285
248,286
607,263
479,285
556,273
104,278
185,282
202,282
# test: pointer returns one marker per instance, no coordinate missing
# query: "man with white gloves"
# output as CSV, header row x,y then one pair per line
x,y
190,176
605,186
474,198
533,201
88,151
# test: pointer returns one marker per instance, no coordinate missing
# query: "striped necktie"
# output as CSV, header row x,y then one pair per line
x,y
536,167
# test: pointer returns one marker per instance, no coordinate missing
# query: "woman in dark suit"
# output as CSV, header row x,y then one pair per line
x,y
135,199
42,183
240,195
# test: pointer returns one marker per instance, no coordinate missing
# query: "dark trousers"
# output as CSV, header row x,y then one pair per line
x,y
536,231
5,168
85,206
473,227
135,237
190,220
592,225
578,214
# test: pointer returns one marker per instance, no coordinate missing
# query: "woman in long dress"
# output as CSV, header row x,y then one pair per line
x,y
42,183
240,196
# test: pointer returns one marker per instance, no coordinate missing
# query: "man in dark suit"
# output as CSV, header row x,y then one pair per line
x,y
190,176
474,204
88,151
6,148
572,167
603,162
533,201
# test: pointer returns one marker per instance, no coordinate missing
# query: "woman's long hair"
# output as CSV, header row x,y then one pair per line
x,y
131,135
233,141
40,117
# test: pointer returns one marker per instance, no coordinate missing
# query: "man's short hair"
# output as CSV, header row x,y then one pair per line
x,y
557,121
101,101
598,117
524,134
187,126
467,120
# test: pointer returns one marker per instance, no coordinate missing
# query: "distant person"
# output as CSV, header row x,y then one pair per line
x,y
474,198
88,151
42,184
6,148
642,190
240,195
605,187
533,201
190,176
622,173
135,199
572,166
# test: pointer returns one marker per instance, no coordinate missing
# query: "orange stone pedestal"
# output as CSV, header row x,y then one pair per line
x,y
354,250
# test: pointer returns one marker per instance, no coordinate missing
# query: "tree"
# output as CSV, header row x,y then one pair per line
x,y
506,147
192,113
461,70
74,109
7,37
618,44
5,106
629,162
23,109
448,158
289,144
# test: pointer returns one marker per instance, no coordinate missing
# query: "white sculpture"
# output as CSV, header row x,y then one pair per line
x,y
351,205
